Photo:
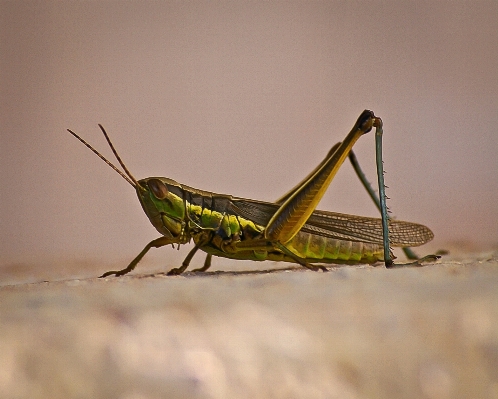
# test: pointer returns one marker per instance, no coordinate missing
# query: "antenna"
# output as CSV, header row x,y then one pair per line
x,y
128,177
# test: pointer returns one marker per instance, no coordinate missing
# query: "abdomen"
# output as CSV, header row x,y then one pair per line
x,y
315,248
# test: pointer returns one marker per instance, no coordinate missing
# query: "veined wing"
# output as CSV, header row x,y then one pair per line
x,y
366,229
340,226
259,212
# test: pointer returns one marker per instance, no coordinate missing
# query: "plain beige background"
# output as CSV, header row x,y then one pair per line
x,y
241,98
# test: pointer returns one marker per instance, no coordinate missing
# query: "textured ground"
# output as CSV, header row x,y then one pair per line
x,y
354,332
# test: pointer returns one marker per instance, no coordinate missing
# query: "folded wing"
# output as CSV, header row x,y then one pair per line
x,y
340,226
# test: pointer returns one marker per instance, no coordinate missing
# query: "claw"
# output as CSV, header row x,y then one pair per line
x,y
117,273
417,263
175,271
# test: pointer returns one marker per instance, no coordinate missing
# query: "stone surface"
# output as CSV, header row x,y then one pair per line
x,y
353,332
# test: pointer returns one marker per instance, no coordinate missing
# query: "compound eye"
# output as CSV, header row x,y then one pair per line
x,y
158,188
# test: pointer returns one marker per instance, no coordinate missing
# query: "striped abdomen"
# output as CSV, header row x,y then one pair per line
x,y
315,248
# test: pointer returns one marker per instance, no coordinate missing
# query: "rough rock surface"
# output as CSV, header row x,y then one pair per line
x,y
354,332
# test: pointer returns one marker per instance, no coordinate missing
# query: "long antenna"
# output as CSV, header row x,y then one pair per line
x,y
128,177
117,157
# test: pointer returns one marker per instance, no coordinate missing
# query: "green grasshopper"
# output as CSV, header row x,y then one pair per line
x,y
289,229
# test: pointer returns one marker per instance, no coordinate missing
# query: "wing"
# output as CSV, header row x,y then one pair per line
x,y
366,229
340,226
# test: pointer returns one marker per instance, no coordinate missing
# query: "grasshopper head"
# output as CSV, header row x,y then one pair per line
x,y
163,204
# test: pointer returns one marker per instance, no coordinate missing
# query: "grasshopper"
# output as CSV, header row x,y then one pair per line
x,y
290,229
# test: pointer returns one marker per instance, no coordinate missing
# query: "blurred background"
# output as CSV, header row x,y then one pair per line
x,y
243,98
